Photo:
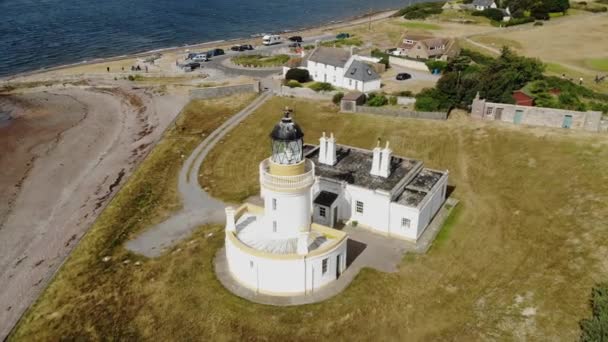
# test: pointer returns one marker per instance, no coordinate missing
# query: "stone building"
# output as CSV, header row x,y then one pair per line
x,y
536,116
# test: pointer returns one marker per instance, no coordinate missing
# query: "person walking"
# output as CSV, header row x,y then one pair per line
x,y
108,68
580,81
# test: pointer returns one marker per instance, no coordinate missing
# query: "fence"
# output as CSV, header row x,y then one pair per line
x,y
211,92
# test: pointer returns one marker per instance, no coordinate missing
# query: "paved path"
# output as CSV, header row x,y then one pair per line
x,y
364,249
198,207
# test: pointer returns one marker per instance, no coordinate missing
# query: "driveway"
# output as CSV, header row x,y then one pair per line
x,y
419,80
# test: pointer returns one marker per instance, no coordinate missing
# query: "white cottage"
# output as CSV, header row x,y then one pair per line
x,y
290,247
343,69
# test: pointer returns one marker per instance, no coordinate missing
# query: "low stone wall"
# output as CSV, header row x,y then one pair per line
x,y
407,63
400,112
404,100
211,92
306,93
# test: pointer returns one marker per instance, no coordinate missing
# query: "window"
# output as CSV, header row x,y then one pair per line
x,y
350,82
274,204
251,264
274,226
335,68
334,78
489,110
322,211
405,222
359,207
324,266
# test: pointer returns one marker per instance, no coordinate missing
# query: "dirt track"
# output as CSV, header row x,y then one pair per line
x,y
63,153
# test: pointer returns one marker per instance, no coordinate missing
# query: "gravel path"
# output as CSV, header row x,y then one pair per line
x,y
198,207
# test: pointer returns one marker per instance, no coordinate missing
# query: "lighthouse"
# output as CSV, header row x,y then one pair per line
x,y
286,180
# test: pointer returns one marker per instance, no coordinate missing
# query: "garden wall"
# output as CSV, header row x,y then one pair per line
x,y
211,92
400,112
407,63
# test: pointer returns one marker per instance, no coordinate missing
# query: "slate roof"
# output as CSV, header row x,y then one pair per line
x,y
353,166
325,198
361,71
484,3
330,56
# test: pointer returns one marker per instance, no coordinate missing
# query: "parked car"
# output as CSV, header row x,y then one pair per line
x,y
297,39
236,48
402,76
193,65
215,52
191,55
201,57
246,47
343,35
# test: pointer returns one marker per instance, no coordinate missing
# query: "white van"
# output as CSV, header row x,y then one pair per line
x,y
271,39
201,57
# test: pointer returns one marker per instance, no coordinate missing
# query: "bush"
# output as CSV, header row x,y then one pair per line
x,y
431,100
596,327
376,100
538,23
300,75
493,13
382,55
392,100
404,93
421,11
321,86
337,98
477,57
435,64
519,21
294,84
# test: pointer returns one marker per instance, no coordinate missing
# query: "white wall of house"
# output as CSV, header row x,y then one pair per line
x,y
284,276
320,72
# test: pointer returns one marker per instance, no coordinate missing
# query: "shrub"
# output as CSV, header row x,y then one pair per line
x,y
337,98
321,86
596,327
392,100
421,11
384,57
376,100
538,23
435,64
294,84
493,13
405,93
477,57
519,21
431,100
300,75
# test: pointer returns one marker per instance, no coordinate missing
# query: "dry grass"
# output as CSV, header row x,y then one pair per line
x,y
517,261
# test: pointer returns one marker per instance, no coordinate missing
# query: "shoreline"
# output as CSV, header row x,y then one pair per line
x,y
352,20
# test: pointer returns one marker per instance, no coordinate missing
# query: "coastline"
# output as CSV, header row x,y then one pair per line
x,y
349,21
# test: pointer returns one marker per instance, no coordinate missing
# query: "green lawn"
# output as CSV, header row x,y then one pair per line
x,y
352,41
258,61
517,261
600,64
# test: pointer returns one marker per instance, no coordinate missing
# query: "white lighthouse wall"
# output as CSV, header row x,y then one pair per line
x,y
292,212
286,276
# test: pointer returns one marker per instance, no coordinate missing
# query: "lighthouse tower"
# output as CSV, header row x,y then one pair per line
x,y
286,179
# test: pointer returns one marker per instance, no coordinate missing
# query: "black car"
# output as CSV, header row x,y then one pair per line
x,y
246,47
193,65
215,52
297,39
236,48
402,76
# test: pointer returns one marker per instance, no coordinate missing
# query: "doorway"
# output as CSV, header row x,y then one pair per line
x,y
518,116
567,123
338,266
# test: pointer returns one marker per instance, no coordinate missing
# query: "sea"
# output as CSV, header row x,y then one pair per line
x,y
37,34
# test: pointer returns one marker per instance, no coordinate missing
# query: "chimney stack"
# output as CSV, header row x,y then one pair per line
x,y
375,171
330,153
385,164
230,224
322,149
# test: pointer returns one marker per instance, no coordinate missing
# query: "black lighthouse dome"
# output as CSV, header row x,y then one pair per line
x,y
287,129
287,140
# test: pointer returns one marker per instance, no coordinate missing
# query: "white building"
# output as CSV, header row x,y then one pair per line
x,y
289,246
343,69
481,5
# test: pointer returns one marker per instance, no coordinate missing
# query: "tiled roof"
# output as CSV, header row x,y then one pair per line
x,y
361,71
330,56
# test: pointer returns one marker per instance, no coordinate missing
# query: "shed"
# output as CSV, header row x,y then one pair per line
x,y
523,99
351,100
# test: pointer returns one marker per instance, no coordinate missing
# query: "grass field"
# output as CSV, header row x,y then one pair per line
x,y
419,25
516,261
258,61
600,64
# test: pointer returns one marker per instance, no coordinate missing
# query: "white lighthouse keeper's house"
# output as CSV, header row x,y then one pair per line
x,y
277,250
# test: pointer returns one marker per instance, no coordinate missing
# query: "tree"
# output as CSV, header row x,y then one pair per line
x,y
493,13
337,98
